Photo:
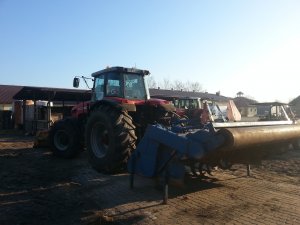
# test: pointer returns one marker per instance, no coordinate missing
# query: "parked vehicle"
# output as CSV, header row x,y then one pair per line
x,y
121,121
111,124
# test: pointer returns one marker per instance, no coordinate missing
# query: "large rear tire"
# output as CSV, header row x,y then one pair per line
x,y
65,138
110,138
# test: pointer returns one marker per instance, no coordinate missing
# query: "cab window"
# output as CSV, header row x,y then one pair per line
x,y
113,87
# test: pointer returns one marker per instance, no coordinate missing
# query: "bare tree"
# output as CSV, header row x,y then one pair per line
x,y
151,82
196,86
178,85
192,86
167,84
187,86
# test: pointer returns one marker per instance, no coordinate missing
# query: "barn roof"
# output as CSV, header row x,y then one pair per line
x,y
295,101
244,102
7,92
52,94
175,93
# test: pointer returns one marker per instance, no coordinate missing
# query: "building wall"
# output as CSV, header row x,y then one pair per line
x,y
251,111
18,113
243,111
6,107
6,121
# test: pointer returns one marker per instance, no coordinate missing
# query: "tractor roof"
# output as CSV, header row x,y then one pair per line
x,y
121,69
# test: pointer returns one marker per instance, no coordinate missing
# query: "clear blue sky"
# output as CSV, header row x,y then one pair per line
x,y
228,46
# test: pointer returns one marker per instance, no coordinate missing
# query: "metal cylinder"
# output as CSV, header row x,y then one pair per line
x,y
245,137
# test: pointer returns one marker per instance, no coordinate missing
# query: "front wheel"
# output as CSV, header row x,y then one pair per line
x,y
65,138
110,138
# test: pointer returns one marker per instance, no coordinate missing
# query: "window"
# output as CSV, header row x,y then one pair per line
x,y
99,88
122,85
134,86
113,87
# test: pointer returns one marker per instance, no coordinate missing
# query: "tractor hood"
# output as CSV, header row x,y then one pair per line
x,y
153,102
167,105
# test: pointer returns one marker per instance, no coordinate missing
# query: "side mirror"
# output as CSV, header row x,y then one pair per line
x,y
76,82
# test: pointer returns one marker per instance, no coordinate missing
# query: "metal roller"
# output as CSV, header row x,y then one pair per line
x,y
245,137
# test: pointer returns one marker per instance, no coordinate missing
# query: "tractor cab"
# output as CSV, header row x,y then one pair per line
x,y
274,111
119,82
193,108
188,106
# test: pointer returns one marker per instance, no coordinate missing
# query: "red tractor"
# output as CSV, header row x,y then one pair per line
x,y
198,109
113,121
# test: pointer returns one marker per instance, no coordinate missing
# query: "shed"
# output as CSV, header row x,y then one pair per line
x,y
41,105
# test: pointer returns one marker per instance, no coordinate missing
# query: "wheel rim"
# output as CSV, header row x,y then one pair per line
x,y
61,140
99,140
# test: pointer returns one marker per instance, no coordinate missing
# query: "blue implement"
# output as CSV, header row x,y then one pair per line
x,y
161,148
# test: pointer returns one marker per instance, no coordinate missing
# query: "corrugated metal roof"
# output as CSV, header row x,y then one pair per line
x,y
295,100
243,102
52,94
10,92
175,93
7,92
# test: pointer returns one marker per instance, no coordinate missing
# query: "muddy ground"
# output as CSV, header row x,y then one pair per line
x,y
38,188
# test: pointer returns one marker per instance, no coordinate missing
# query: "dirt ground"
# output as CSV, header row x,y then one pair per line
x,y
38,188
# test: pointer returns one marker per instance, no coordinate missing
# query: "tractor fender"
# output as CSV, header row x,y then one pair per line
x,y
115,104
